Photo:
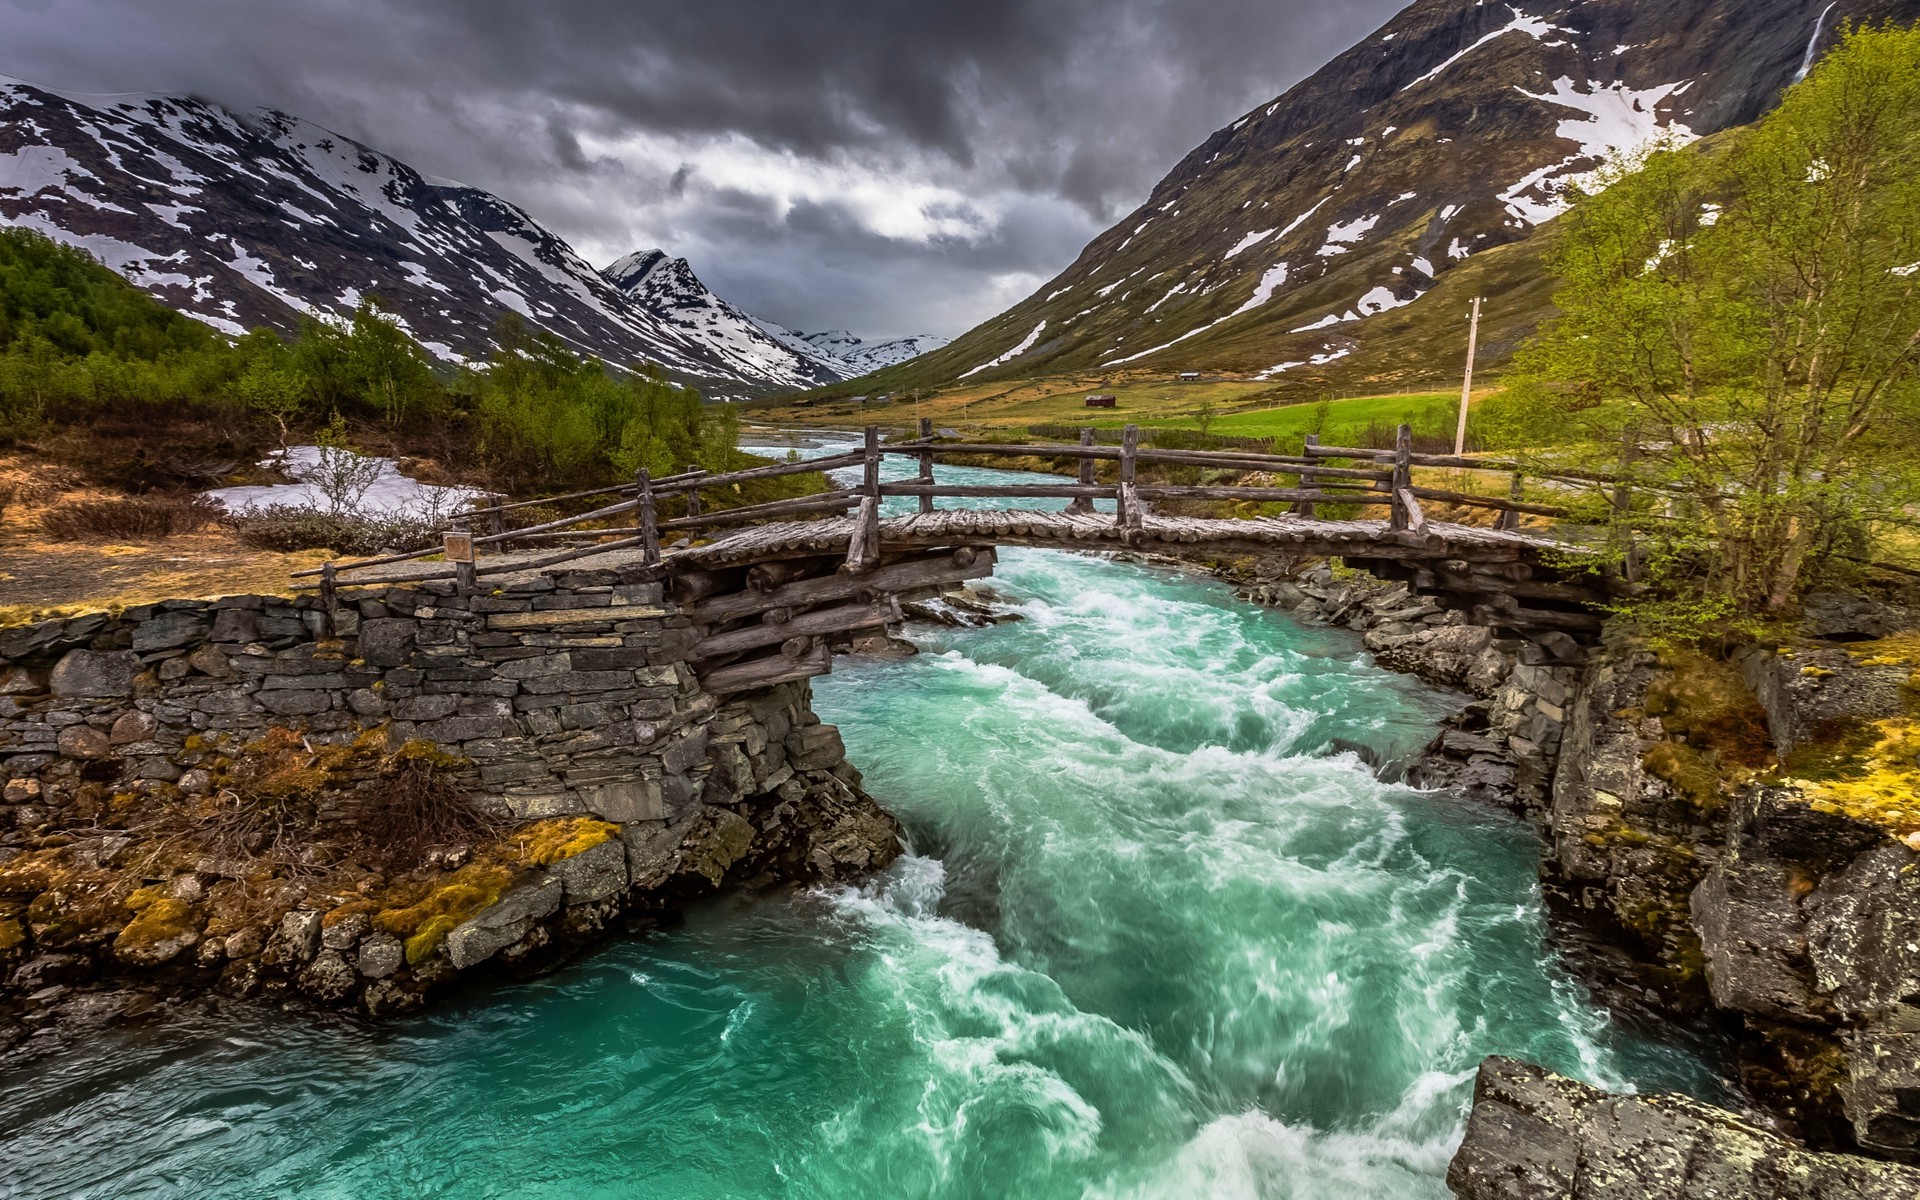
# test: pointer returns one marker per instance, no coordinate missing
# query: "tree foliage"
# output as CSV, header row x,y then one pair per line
x,y
76,341
1740,330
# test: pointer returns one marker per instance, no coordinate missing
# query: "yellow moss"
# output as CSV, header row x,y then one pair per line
x,y
421,750
436,910
422,944
34,872
1815,672
162,918
547,842
1900,648
1872,775
350,908
144,897
11,934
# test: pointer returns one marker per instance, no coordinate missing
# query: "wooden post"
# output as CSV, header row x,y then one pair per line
x,y
1466,385
693,493
465,576
1510,519
863,547
1400,518
326,600
1307,478
1129,446
926,462
649,520
1084,504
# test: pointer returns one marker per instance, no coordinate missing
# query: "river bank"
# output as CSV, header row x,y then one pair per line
x,y
1730,845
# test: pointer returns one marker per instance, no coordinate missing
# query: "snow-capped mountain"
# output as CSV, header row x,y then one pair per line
x,y
850,354
1298,241
668,288
246,219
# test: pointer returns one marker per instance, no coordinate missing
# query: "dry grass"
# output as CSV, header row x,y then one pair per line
x,y
132,519
42,577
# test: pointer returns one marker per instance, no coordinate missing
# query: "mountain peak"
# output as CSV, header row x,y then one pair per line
x,y
259,218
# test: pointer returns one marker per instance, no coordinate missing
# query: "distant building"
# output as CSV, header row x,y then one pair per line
x,y
1100,401
1189,376
858,399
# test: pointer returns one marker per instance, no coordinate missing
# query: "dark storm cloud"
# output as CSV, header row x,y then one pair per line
x,y
888,165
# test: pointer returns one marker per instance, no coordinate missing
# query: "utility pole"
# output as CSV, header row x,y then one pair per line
x,y
1466,385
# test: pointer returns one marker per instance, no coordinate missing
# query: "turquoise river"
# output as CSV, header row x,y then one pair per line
x,y
1153,938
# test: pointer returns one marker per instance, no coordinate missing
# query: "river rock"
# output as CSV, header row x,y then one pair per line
x,y
1534,1135
593,874
381,955
505,923
328,977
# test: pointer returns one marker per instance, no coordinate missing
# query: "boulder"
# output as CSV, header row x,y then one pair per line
x,y
133,727
1534,1135
381,955
593,874
328,977
296,940
95,674
507,921
1444,656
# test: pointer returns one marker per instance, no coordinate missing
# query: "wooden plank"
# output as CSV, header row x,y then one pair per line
x,y
882,612
1170,492
837,501
1010,449
649,517
1409,505
1309,480
926,571
1010,491
926,463
767,671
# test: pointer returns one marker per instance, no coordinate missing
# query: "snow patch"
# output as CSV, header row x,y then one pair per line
x,y
1534,27
1250,241
1615,119
1025,345
389,494
1342,234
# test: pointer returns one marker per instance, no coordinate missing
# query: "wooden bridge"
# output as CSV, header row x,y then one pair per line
x,y
769,587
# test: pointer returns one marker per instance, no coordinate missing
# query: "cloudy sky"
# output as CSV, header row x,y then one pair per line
x,y
888,166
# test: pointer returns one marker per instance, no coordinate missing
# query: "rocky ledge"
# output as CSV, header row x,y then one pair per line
x,y
1534,1135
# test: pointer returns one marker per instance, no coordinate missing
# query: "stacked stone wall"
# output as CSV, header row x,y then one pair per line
x,y
558,702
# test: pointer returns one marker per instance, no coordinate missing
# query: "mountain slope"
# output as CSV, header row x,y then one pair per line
x,y
1291,242
245,219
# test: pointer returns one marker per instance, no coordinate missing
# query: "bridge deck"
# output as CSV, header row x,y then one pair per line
x,y
1095,531
1016,527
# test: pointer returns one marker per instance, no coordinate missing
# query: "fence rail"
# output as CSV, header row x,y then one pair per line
x,y
1387,481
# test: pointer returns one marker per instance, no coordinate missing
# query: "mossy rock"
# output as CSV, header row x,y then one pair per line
x,y
162,928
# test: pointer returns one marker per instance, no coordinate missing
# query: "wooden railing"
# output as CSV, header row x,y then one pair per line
x,y
1386,482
